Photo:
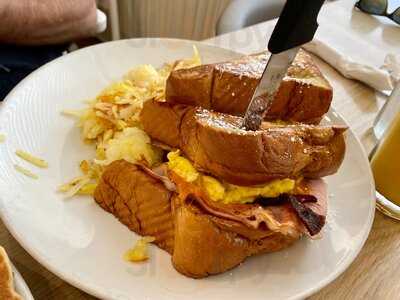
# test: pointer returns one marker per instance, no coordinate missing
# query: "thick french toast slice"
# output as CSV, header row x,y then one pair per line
x,y
138,200
203,238
216,144
203,247
304,95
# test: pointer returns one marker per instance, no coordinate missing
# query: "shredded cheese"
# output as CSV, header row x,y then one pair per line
x,y
2,138
72,113
67,186
87,189
32,159
26,172
72,191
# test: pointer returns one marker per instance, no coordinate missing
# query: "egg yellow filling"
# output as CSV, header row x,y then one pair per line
x,y
182,166
225,192
140,251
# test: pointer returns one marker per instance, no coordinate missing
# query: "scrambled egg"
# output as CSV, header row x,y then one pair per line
x,y
140,251
225,192
244,194
214,188
182,167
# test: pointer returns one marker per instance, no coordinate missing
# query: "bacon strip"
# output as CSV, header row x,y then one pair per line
x,y
313,221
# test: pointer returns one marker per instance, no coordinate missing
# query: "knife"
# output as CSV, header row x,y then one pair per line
x,y
296,26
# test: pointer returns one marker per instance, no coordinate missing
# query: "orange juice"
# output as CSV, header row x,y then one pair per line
x,y
386,164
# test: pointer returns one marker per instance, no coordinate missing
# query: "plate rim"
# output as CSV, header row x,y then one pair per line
x,y
91,289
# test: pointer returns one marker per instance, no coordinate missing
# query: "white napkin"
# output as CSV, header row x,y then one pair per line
x,y
357,44
392,65
378,79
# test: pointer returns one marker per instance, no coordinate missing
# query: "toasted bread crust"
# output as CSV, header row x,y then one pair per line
x,y
304,95
139,201
203,248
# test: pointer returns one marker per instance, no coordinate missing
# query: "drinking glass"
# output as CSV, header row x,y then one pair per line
x,y
385,157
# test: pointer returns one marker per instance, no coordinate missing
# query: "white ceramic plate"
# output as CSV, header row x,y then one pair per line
x,y
84,245
20,285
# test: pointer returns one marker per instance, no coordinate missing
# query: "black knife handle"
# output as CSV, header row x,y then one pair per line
x,y
296,25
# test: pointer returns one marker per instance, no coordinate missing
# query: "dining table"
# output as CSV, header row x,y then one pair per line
x,y
374,274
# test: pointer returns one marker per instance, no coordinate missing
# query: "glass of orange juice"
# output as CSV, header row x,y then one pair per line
x,y
385,158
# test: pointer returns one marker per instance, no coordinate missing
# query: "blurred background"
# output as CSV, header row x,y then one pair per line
x,y
34,32
187,19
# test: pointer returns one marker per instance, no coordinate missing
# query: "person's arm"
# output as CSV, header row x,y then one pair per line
x,y
38,22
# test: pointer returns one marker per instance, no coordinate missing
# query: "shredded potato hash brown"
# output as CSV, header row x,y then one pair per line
x,y
111,122
38,162
26,172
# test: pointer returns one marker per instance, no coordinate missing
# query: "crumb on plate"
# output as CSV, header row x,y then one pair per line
x,y
139,252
